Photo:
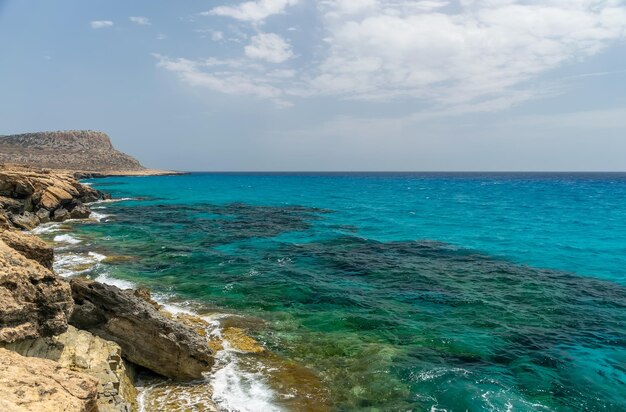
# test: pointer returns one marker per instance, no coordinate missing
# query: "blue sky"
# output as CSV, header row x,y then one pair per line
x,y
326,84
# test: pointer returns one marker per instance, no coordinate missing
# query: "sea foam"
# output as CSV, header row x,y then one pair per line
x,y
67,239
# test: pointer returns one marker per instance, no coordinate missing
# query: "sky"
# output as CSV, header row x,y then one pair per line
x,y
314,85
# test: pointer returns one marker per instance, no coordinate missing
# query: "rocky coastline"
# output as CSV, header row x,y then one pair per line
x,y
76,344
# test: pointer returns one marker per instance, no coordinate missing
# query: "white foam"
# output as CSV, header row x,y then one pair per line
x,y
120,199
98,216
46,228
65,264
97,256
67,239
120,283
237,390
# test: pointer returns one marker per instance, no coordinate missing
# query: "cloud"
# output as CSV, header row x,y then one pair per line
x,y
143,21
101,24
229,79
252,11
443,55
405,49
269,47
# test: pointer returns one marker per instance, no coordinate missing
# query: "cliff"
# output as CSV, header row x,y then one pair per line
x,y
77,150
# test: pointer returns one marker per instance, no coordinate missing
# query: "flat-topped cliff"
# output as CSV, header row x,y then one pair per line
x,y
77,150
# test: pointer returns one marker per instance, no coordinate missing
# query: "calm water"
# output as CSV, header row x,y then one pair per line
x,y
388,292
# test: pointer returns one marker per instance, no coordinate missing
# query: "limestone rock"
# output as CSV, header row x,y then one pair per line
x,y
26,220
41,385
80,150
83,352
31,196
29,246
146,336
33,301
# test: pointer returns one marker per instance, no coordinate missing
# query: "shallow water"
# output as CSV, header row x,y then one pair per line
x,y
385,292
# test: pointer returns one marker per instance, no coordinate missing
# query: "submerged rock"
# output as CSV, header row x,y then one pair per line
x,y
33,301
81,351
146,336
42,385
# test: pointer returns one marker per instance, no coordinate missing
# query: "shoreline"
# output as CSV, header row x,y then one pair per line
x,y
226,386
33,202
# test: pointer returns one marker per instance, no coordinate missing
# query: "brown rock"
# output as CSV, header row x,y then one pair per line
x,y
60,215
41,385
30,196
26,221
146,336
29,246
80,150
83,352
33,301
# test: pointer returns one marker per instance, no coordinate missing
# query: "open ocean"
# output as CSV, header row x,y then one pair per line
x,y
382,291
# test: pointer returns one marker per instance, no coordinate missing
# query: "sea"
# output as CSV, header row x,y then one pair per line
x,y
378,291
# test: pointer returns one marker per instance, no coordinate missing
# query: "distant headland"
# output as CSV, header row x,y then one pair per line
x,y
84,152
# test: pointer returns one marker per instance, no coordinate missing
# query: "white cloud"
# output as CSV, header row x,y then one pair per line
x,y
228,79
449,55
269,47
387,48
161,36
144,21
252,11
101,24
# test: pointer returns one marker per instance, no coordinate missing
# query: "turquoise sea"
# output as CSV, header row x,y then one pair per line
x,y
383,292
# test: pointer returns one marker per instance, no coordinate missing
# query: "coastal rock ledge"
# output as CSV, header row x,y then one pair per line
x,y
34,302
146,336
41,385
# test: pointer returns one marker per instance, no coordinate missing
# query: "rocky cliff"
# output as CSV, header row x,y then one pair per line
x,y
78,150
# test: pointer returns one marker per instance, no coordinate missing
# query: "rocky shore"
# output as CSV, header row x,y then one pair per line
x,y
75,345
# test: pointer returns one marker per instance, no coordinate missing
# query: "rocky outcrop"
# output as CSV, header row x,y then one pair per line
x,y
83,352
30,196
33,301
76,150
146,336
29,246
41,385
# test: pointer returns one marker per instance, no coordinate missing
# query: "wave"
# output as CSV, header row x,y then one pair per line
x,y
237,390
67,239
99,217
120,283
119,199
46,228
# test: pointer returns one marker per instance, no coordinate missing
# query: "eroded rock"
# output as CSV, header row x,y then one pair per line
x,y
29,246
147,337
33,301
81,351
42,385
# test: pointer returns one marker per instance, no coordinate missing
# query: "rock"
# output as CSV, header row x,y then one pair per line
x,y
5,223
53,197
145,295
41,385
79,211
60,215
26,221
43,215
239,340
79,150
31,196
29,246
11,205
83,352
146,336
33,301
